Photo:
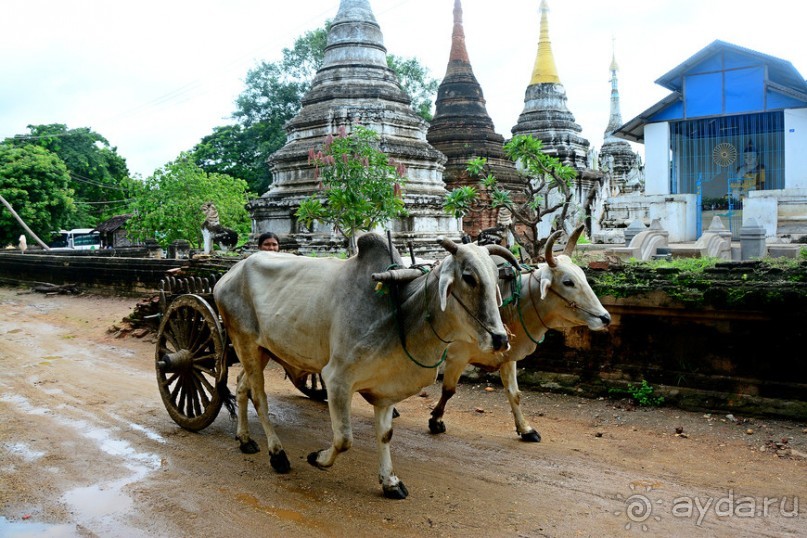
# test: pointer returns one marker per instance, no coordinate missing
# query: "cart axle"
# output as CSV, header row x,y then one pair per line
x,y
177,361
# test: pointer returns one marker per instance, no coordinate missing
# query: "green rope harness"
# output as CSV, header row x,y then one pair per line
x,y
399,321
438,363
515,297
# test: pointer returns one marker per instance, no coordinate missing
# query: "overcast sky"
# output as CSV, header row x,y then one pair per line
x,y
154,77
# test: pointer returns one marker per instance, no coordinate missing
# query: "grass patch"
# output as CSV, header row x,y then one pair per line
x,y
642,395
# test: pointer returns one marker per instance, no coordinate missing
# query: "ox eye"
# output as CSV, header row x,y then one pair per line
x,y
569,283
469,279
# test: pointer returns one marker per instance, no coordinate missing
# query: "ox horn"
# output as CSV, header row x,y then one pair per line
x,y
550,242
397,275
505,253
448,244
572,242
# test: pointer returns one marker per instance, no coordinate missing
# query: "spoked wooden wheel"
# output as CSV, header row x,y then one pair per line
x,y
191,362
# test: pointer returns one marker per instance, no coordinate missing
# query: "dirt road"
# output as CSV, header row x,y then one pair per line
x,y
87,449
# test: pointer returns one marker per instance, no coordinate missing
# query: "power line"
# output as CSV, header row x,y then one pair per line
x,y
95,183
83,202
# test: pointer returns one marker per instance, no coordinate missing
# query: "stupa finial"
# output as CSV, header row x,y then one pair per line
x,y
458,50
615,118
614,65
544,70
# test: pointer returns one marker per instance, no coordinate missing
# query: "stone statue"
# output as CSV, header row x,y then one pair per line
x,y
504,218
752,172
592,158
634,179
608,164
499,234
214,233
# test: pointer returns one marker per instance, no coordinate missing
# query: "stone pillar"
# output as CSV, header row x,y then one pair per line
x,y
179,250
752,240
153,248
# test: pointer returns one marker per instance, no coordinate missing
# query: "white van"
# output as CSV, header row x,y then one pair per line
x,y
76,239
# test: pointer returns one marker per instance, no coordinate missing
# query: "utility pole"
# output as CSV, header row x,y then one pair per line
x,y
22,223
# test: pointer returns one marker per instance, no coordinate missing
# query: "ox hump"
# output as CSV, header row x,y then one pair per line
x,y
374,251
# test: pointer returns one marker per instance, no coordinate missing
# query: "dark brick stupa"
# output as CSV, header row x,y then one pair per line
x,y
462,128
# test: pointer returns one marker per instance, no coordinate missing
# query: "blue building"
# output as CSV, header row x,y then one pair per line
x,y
733,130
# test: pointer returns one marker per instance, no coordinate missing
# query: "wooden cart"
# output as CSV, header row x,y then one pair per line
x,y
193,354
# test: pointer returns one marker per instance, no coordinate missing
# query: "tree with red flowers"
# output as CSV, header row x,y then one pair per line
x,y
361,185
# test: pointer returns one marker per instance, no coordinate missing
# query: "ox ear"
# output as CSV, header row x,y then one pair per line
x,y
446,283
546,281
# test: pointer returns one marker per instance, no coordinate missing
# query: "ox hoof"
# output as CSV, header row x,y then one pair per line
x,y
280,463
395,413
436,426
312,459
250,447
531,437
396,492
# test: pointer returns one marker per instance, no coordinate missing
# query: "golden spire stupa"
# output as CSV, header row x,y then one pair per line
x,y
544,70
545,115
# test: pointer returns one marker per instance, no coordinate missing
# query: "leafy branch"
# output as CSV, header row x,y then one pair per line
x,y
545,190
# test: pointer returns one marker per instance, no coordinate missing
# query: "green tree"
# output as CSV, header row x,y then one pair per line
x,y
362,185
416,81
240,151
272,96
168,207
36,183
96,170
547,190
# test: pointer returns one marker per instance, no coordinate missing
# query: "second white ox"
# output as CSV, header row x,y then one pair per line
x,y
555,295
323,315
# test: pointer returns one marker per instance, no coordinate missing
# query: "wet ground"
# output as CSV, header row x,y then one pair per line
x,y
87,449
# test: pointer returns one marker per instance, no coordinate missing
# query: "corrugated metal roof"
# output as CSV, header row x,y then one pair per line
x,y
634,129
110,225
779,70
782,77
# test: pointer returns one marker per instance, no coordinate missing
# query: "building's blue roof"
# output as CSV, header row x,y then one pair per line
x,y
784,86
779,71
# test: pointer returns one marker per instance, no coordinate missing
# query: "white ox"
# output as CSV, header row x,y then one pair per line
x,y
324,315
555,295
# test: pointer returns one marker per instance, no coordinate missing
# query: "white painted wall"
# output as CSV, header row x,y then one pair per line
x,y
657,158
762,207
676,213
795,144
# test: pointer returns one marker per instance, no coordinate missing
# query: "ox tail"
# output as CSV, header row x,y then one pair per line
x,y
227,398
